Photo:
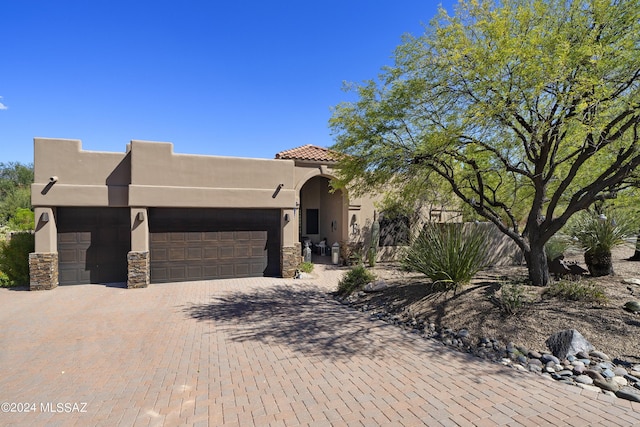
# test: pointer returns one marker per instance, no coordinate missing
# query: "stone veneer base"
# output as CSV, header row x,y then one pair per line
x,y
290,260
138,274
43,271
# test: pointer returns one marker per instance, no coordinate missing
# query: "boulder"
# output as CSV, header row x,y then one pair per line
x,y
632,306
377,286
568,343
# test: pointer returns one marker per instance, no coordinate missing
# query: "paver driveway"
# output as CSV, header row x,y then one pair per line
x,y
254,352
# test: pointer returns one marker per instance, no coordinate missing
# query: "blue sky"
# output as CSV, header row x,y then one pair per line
x,y
241,78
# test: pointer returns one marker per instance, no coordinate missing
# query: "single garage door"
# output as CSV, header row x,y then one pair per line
x,y
201,244
93,244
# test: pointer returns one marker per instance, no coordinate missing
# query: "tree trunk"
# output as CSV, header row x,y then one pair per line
x,y
537,265
636,254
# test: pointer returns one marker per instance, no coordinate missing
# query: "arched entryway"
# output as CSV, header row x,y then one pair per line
x,y
323,213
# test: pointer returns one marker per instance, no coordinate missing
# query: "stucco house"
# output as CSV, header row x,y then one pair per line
x,y
149,215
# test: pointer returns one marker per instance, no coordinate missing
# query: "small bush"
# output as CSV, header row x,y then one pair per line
x,y
512,299
355,280
448,254
306,267
577,291
14,258
4,281
593,232
556,246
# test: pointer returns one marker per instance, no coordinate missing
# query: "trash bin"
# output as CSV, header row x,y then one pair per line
x,y
335,253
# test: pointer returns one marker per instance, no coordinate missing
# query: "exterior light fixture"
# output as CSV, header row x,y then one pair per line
x,y
44,217
286,217
140,216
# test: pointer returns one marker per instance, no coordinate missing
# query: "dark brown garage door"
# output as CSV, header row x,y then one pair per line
x,y
200,244
92,245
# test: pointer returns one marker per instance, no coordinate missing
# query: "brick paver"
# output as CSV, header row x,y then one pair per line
x,y
245,352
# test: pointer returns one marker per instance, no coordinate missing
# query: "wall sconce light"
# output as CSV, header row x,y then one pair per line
x,y
140,216
44,217
334,225
286,217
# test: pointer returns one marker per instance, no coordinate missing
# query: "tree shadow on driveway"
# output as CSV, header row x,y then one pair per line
x,y
306,319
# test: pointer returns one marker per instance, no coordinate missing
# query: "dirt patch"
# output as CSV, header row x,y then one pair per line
x,y
606,325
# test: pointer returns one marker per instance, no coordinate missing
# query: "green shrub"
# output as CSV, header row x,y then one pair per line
x,y
306,267
556,246
448,254
596,234
4,281
593,232
14,257
354,280
512,299
577,291
22,220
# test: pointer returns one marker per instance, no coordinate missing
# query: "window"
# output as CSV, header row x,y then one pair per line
x,y
394,230
313,226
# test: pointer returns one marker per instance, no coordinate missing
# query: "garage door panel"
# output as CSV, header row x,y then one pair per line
x,y
242,235
226,252
160,254
210,253
210,236
213,243
159,237
93,244
226,270
193,237
257,268
242,251
194,254
257,251
177,237
177,254
226,236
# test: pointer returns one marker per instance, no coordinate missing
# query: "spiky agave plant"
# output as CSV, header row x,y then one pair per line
x,y
597,234
448,254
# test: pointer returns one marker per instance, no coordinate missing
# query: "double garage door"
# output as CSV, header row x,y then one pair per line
x,y
185,244
198,244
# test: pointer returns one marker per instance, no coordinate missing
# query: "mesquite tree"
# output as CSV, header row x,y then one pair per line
x,y
527,109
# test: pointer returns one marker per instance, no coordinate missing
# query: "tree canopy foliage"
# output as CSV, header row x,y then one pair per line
x,y
527,109
15,190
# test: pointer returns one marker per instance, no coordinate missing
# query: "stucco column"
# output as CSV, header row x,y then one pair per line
x,y
43,263
138,262
290,251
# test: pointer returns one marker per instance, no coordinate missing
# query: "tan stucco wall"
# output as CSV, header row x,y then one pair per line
x,y
46,231
84,178
162,178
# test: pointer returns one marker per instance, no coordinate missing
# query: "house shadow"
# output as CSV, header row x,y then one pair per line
x,y
307,320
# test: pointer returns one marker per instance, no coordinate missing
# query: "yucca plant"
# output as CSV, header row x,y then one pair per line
x,y
556,247
597,234
448,254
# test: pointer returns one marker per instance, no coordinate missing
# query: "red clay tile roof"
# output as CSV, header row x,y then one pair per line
x,y
309,152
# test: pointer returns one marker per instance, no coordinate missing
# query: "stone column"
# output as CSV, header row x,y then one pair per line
x,y
290,260
43,270
138,275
